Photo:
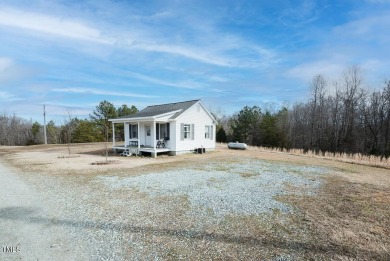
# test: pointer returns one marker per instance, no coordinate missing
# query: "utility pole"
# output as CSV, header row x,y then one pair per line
x,y
44,123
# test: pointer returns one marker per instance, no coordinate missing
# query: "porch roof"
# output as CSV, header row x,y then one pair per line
x,y
160,117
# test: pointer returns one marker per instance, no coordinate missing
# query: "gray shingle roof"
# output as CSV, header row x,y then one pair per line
x,y
155,110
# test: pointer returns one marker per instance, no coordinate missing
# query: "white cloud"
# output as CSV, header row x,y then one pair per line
x,y
299,14
188,52
185,85
51,25
375,27
5,63
306,71
217,48
101,92
7,97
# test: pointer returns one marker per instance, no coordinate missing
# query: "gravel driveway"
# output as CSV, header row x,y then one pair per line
x,y
179,213
28,229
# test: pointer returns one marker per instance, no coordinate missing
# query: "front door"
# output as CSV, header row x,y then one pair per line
x,y
148,136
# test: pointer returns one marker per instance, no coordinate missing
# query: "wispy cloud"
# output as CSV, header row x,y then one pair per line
x,y
222,52
7,97
51,25
5,63
299,14
306,71
180,84
102,92
374,27
188,52
126,50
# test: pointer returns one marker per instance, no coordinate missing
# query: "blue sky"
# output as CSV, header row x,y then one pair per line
x,y
70,55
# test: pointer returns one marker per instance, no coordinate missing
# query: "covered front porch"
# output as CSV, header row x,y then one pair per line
x,y
143,136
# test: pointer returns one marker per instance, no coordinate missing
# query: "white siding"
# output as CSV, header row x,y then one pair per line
x,y
197,116
173,134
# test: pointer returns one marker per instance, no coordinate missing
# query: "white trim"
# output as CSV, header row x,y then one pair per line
x,y
154,134
165,114
139,139
143,119
113,135
204,108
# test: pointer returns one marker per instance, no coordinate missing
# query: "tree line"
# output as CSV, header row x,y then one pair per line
x,y
16,131
340,116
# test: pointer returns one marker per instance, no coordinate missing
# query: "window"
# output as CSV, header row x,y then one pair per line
x,y
147,130
162,131
208,133
133,131
187,131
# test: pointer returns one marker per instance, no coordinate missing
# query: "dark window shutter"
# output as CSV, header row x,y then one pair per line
x,y
181,131
157,131
130,131
168,134
192,131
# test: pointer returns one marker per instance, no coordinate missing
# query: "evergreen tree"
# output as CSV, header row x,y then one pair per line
x,y
124,110
87,131
245,125
35,130
103,112
269,131
221,134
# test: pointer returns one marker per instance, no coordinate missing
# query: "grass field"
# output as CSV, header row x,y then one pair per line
x,y
225,204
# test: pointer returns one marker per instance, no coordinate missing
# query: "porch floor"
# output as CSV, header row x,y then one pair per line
x,y
142,149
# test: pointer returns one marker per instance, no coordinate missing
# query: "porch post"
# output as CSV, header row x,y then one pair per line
x,y
138,135
113,135
154,153
154,134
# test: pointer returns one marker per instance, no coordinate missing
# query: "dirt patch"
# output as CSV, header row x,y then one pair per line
x,y
109,162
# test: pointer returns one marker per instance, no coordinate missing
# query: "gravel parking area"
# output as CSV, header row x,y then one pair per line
x,y
246,187
241,205
175,213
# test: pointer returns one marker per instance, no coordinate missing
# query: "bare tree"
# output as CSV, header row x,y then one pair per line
x,y
352,82
14,131
68,129
317,110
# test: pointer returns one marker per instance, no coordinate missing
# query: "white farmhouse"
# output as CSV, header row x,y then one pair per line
x,y
175,128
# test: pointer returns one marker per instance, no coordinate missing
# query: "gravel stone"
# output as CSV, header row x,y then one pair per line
x,y
225,189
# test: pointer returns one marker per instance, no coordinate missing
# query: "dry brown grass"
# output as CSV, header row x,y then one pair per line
x,y
354,158
346,221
